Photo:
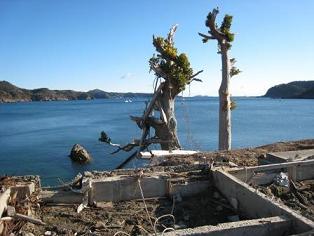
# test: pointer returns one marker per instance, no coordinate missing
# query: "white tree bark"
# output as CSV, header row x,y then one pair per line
x,y
224,90
224,103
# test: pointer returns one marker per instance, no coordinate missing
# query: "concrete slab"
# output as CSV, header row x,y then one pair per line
x,y
278,226
303,170
255,204
279,157
61,196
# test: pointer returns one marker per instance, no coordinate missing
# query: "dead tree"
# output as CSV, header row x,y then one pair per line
x,y
224,37
173,72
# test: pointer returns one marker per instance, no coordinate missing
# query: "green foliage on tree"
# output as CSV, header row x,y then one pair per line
x,y
171,66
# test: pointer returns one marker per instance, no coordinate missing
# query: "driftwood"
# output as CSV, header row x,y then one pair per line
x,y
11,213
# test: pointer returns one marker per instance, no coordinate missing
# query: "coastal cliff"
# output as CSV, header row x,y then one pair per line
x,y
295,89
12,93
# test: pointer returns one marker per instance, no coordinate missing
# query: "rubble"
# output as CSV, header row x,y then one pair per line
x,y
216,196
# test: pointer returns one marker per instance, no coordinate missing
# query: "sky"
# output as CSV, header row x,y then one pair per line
x,y
106,44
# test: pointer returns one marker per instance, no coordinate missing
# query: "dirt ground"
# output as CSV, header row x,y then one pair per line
x,y
299,196
240,157
131,217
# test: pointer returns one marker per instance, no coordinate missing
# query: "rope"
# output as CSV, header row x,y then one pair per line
x,y
167,230
121,232
189,137
163,216
142,194
173,204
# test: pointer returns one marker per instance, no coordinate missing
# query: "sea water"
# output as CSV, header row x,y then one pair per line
x,y
36,137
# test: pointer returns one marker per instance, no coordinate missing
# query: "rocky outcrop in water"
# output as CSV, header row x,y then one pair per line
x,y
79,154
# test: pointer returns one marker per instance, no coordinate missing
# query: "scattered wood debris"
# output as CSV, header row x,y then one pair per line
x,y
299,196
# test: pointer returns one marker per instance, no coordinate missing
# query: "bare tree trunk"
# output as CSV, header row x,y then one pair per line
x,y
168,129
224,103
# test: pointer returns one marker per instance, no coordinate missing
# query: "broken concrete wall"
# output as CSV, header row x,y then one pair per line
x,y
254,204
121,188
122,185
300,170
277,226
280,157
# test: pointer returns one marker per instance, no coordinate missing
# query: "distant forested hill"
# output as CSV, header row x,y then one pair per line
x,y
295,89
11,93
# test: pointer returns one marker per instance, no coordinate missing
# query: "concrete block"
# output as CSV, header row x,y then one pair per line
x,y
279,157
23,190
255,204
277,226
120,188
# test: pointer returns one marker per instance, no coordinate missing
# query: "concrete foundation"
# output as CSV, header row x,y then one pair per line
x,y
267,215
254,204
121,188
122,185
280,157
297,170
277,226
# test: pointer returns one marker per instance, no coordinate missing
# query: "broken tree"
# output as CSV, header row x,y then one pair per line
x,y
224,38
173,72
176,72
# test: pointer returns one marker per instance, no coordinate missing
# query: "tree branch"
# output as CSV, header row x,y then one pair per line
x,y
158,71
171,33
128,147
211,23
196,74
205,37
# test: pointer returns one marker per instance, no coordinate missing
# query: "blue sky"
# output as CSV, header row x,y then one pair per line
x,y
82,45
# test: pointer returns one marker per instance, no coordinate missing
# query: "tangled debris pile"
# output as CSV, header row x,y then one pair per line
x,y
18,202
108,218
239,157
299,196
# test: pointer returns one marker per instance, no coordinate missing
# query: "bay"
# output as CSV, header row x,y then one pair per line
x,y
36,137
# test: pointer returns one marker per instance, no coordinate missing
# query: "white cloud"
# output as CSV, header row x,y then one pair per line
x,y
128,75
